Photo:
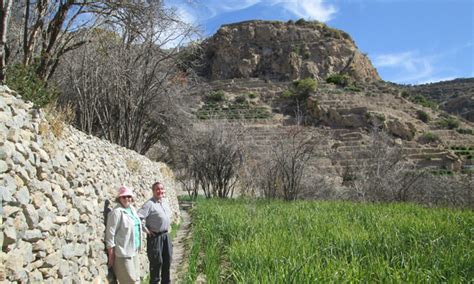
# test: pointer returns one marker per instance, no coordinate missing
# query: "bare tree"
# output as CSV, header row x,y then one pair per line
x,y
52,28
125,85
382,173
5,11
281,172
188,182
213,160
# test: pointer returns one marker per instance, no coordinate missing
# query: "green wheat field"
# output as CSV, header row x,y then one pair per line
x,y
243,241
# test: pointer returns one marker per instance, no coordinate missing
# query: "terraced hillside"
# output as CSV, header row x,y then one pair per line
x,y
340,120
263,79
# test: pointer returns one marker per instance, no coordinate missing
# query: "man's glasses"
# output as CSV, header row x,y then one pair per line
x,y
125,197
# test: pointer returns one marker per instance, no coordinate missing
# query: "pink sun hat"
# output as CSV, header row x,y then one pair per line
x,y
125,191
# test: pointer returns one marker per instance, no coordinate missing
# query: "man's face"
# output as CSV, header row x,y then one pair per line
x,y
159,191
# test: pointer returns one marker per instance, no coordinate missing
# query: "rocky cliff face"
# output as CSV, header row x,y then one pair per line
x,y
284,51
53,192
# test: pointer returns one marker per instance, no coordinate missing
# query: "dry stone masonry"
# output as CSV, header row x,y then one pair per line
x,y
53,192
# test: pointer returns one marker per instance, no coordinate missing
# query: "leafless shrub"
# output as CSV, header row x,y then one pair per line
x,y
281,172
383,175
322,187
188,182
455,190
248,182
212,160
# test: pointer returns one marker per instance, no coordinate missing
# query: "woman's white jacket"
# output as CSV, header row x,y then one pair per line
x,y
120,232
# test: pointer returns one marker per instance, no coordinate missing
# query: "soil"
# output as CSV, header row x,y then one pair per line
x,y
181,245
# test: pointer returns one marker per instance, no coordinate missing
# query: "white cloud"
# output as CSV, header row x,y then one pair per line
x,y
309,9
207,9
409,66
413,67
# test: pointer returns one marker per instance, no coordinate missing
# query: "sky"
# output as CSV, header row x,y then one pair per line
x,y
408,41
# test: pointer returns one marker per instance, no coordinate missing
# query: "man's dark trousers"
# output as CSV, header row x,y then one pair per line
x,y
159,250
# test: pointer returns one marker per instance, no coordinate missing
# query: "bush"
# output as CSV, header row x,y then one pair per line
x,y
380,116
419,99
301,22
353,88
449,123
24,80
423,116
405,94
465,131
429,137
218,96
287,94
252,95
338,79
305,87
241,99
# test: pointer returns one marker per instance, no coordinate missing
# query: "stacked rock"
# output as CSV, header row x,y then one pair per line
x,y
53,192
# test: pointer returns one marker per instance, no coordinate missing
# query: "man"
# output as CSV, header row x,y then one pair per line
x,y
156,213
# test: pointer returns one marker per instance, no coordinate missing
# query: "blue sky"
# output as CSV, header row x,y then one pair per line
x,y
408,41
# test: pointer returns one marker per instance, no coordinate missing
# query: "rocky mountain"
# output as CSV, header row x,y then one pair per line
x,y
283,51
252,70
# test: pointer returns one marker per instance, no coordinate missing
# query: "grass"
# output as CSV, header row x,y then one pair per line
x,y
232,111
243,241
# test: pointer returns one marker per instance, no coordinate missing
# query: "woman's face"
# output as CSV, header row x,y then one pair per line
x,y
126,201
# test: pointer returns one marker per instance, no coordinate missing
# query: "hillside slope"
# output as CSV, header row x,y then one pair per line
x,y
455,96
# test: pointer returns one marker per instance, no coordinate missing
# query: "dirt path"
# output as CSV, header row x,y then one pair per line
x,y
180,244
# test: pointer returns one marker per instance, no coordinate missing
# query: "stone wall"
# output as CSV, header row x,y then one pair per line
x,y
53,193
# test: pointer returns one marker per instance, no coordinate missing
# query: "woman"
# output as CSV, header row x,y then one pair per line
x,y
122,238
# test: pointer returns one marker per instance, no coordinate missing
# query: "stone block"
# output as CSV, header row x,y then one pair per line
x,y
22,196
33,235
31,215
3,167
52,260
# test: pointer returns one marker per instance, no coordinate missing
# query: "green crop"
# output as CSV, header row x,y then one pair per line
x,y
243,241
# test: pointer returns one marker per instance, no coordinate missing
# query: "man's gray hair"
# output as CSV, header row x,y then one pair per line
x,y
155,185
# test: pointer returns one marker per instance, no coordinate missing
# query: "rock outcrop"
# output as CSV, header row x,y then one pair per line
x,y
284,51
53,194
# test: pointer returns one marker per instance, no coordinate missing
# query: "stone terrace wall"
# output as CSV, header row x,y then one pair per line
x,y
53,193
